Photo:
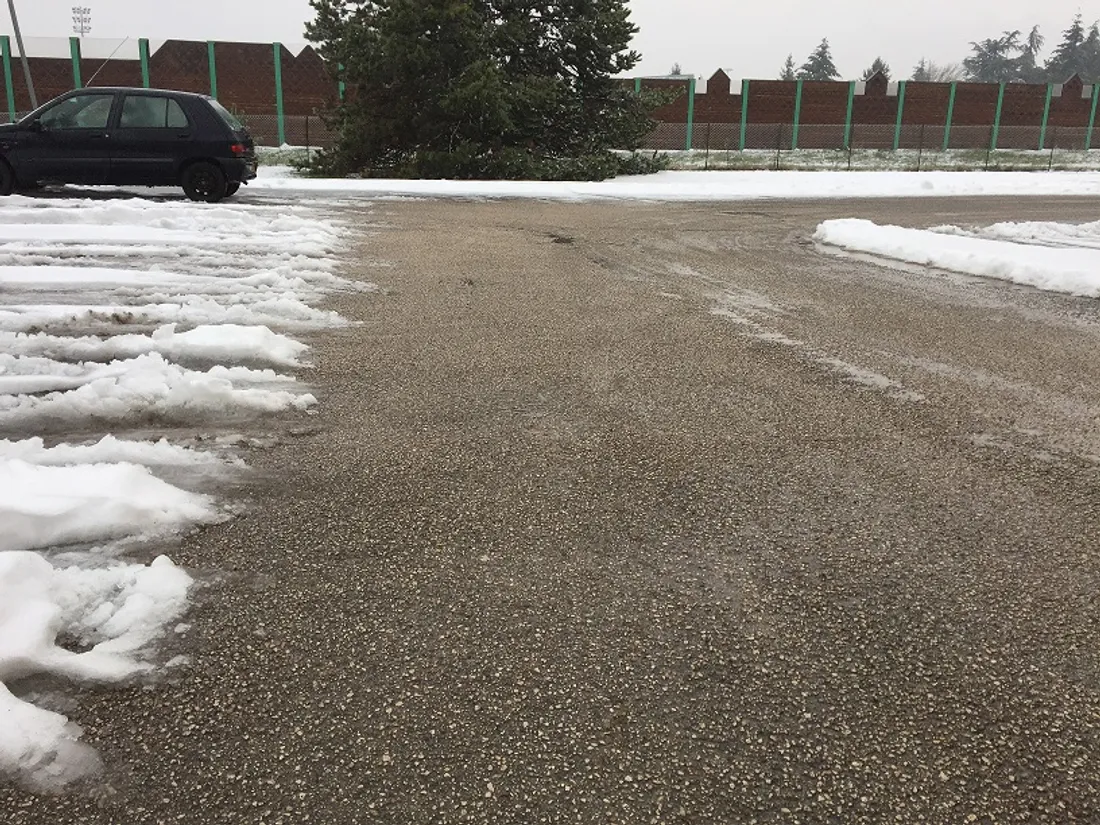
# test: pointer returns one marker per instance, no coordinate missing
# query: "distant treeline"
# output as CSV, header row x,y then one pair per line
x,y
1008,58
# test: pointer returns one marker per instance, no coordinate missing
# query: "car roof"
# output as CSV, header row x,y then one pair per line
x,y
140,90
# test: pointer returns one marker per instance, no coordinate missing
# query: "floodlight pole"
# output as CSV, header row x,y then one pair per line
x,y
22,54
82,20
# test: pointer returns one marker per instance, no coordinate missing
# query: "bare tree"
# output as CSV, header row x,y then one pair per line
x,y
928,71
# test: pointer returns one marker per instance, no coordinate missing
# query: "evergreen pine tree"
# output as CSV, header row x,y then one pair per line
x,y
877,65
819,65
788,69
1092,55
481,88
921,73
1028,69
1069,57
995,60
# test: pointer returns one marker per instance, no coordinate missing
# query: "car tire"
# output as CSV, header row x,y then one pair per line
x,y
205,182
231,188
7,179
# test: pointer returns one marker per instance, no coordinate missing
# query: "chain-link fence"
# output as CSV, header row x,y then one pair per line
x,y
298,130
863,146
309,131
778,146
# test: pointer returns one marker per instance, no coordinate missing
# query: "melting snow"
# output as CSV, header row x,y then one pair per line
x,y
1051,256
113,312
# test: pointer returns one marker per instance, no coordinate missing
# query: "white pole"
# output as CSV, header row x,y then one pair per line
x,y
22,54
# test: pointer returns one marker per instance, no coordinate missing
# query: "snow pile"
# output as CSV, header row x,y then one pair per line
x,y
280,310
210,342
115,314
1055,257
112,610
136,389
706,186
43,506
1041,233
111,450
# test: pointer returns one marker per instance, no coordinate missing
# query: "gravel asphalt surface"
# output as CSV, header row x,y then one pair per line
x,y
633,513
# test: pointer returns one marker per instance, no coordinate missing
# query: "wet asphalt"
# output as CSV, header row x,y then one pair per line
x,y
645,513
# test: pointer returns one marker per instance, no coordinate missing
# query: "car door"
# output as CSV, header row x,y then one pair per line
x,y
70,141
152,138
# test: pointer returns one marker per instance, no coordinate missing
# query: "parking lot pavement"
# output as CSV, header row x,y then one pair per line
x,y
629,513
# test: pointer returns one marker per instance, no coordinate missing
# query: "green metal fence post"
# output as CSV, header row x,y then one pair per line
x,y
278,49
74,51
143,53
691,112
797,114
950,116
848,116
637,85
744,111
901,113
212,68
342,87
1092,115
997,117
1046,118
9,87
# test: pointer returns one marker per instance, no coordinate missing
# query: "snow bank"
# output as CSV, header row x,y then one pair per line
x,y
99,302
1042,233
111,450
1065,269
278,311
144,386
708,186
114,611
221,342
45,506
133,221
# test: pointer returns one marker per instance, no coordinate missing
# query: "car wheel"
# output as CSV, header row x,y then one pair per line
x,y
7,179
204,182
231,188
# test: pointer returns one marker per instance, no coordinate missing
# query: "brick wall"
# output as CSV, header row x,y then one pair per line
x,y
245,75
771,109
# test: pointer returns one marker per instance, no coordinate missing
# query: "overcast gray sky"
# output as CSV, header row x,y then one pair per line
x,y
749,39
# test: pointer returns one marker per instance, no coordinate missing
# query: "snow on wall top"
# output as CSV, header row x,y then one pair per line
x,y
102,48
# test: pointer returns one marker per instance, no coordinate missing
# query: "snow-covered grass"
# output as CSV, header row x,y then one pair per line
x,y
884,160
284,155
115,313
823,160
1052,256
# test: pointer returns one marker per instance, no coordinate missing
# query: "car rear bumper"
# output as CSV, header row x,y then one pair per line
x,y
240,169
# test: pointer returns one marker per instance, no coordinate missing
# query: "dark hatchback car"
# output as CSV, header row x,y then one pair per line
x,y
129,137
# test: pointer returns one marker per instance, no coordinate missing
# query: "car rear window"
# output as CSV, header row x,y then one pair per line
x,y
227,116
152,112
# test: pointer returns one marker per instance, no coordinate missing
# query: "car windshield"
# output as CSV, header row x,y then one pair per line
x,y
227,116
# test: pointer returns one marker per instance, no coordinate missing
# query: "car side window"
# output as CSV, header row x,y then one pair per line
x,y
152,112
78,112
